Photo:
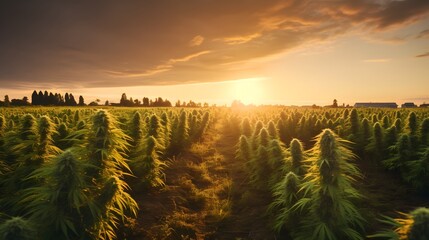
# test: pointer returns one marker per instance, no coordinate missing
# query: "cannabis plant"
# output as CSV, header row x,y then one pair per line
x,y
328,205
56,206
286,194
412,226
105,151
424,132
246,128
146,164
297,157
18,228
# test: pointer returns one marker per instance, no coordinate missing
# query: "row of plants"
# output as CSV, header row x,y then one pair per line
x,y
71,174
313,180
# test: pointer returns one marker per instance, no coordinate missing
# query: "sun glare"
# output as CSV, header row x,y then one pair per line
x,y
248,91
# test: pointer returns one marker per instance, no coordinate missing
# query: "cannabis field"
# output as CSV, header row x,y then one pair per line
x,y
214,173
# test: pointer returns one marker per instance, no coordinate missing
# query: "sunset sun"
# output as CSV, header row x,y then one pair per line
x,y
248,91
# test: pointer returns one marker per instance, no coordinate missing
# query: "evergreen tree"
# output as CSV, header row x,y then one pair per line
x,y
35,98
46,98
72,100
41,98
67,99
124,100
51,99
81,101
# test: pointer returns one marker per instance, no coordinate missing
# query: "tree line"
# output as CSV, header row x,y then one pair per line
x,y
57,99
158,102
51,99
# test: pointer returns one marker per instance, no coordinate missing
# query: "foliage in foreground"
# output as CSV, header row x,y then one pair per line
x,y
412,226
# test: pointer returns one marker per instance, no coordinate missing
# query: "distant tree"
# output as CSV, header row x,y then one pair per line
x,y
145,102
35,98
81,101
107,103
335,103
6,100
67,99
51,98
19,102
25,100
46,98
61,100
40,98
123,99
57,99
72,100
167,103
178,104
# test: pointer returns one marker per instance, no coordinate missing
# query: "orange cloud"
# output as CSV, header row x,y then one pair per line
x,y
156,70
187,58
240,39
196,41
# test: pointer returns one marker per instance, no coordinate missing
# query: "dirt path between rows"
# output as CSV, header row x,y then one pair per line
x,y
196,198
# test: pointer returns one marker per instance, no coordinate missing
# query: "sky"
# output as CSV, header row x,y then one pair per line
x,y
291,52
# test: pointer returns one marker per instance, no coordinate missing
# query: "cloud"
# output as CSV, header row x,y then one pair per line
x,y
189,57
114,43
423,34
196,41
400,12
377,60
156,70
134,73
423,55
240,39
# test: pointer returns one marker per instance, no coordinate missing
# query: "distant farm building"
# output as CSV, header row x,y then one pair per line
x,y
376,105
424,105
408,105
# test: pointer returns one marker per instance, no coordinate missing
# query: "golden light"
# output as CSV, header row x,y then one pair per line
x,y
248,91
